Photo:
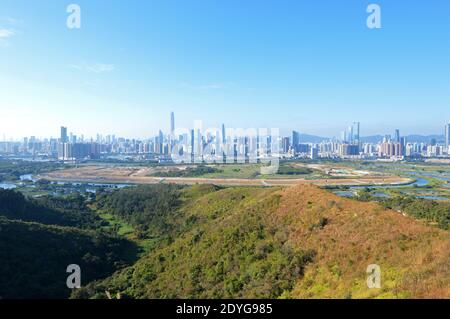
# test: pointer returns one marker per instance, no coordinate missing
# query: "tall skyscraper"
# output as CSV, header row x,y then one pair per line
x,y
314,153
172,124
161,142
224,136
397,136
350,134
64,134
356,136
447,135
403,142
286,144
295,140
192,146
224,147
344,136
353,134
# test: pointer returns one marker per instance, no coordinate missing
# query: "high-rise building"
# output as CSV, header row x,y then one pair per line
x,y
355,132
390,149
192,146
64,138
295,140
224,146
403,143
350,134
433,142
344,136
224,136
314,153
286,143
172,124
348,150
161,142
447,136
397,136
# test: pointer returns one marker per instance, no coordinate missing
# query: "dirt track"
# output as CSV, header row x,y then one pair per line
x,y
130,175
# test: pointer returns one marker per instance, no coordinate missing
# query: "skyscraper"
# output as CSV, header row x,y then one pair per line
x,y
344,136
161,142
350,134
64,134
314,153
286,143
172,124
358,126
192,145
224,137
403,142
397,136
447,135
355,138
295,140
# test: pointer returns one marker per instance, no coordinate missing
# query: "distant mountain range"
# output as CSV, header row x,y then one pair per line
x,y
409,138
306,138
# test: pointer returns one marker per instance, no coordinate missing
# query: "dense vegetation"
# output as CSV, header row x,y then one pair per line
x,y
12,170
196,171
436,212
64,211
219,252
147,208
289,170
300,242
214,242
36,245
34,258
432,211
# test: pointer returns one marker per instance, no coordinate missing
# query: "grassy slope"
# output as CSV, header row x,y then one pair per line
x,y
34,258
414,258
299,242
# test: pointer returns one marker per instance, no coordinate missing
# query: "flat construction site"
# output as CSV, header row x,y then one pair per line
x,y
142,175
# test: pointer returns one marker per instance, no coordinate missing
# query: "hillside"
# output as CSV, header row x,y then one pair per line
x,y
414,258
299,242
35,257
65,211
36,245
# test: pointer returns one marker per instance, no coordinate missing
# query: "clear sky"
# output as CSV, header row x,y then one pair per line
x,y
309,65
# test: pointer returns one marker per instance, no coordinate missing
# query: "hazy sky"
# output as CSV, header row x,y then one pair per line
x,y
309,65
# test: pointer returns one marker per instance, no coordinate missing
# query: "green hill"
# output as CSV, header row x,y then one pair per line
x,y
66,211
34,258
211,242
299,242
36,246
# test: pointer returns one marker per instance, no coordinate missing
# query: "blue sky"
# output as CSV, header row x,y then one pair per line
x,y
309,65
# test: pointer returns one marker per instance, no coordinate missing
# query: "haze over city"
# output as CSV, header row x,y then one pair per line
x,y
237,157
303,65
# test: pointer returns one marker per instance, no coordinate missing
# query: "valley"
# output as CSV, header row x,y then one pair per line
x,y
287,236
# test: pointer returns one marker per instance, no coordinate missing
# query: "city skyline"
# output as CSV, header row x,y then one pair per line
x,y
305,65
346,135
200,144
341,136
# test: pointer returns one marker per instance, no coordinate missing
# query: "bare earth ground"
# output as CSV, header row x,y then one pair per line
x,y
139,175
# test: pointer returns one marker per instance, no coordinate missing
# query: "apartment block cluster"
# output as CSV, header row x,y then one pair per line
x,y
218,146
351,146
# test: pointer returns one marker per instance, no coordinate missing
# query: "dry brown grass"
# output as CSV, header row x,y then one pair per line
x,y
414,258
